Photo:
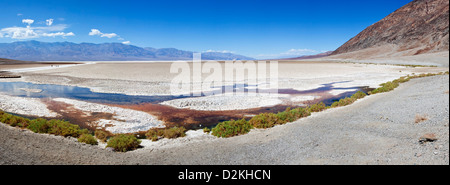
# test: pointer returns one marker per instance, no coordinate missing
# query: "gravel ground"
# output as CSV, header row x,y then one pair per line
x,y
379,129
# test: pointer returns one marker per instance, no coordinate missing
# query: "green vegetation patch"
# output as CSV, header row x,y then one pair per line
x,y
88,139
389,86
40,125
66,129
318,107
206,130
124,143
232,128
102,135
14,121
349,100
169,133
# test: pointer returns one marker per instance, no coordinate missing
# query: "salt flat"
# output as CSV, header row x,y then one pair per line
x,y
154,78
379,129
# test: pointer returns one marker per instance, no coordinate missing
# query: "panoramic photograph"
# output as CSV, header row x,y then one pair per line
x,y
253,82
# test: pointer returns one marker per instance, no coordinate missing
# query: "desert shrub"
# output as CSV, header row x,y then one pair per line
x,y
39,126
343,102
56,127
358,95
152,133
11,120
300,113
206,130
403,79
349,100
264,120
170,133
174,132
14,121
231,128
6,118
268,120
154,138
386,87
64,128
318,107
284,117
23,122
389,86
88,139
123,143
101,135
155,134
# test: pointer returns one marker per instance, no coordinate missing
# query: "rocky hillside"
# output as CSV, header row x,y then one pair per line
x,y
416,28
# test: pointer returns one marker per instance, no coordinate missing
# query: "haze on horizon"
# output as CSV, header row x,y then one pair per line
x,y
258,29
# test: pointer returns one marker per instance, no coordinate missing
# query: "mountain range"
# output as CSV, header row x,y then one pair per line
x,y
420,27
68,51
305,57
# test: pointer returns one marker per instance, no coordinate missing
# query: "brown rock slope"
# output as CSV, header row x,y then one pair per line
x,y
417,28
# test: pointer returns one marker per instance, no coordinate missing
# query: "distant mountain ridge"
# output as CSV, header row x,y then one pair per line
x,y
9,61
305,57
68,51
421,26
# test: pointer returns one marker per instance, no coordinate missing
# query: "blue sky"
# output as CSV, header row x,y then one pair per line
x,y
256,28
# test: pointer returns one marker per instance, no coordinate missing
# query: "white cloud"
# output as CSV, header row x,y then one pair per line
x,y
28,21
109,35
19,32
217,51
60,34
299,52
126,42
19,14
30,32
59,27
95,32
49,22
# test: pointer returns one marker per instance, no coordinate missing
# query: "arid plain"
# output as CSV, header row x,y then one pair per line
x,y
380,98
307,78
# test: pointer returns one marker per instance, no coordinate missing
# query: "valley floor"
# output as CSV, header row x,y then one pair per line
x,y
379,129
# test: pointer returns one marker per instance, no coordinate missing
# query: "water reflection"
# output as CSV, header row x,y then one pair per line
x,y
26,89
